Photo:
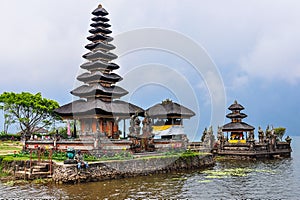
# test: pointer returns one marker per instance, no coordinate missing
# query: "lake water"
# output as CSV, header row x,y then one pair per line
x,y
272,179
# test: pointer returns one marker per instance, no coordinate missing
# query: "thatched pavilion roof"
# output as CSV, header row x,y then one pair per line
x,y
169,109
97,89
97,75
237,126
100,11
236,115
100,18
236,106
99,65
115,108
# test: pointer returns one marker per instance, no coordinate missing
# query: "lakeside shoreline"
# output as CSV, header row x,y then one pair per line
x,y
114,169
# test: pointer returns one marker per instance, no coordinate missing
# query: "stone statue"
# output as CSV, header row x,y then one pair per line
x,y
268,132
204,134
288,139
208,139
260,135
220,133
134,128
147,125
251,135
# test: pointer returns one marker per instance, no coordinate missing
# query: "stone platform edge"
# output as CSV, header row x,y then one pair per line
x,y
106,170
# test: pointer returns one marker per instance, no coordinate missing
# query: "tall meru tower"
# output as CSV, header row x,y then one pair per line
x,y
98,109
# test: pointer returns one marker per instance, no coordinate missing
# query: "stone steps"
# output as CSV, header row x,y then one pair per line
x,y
39,170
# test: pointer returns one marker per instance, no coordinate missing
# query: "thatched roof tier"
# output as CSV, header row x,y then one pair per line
x,y
100,45
100,19
236,106
100,30
97,37
99,76
237,126
100,24
169,109
115,108
100,11
99,65
99,55
236,115
99,90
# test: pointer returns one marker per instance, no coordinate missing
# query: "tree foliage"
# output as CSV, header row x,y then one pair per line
x,y
279,132
28,110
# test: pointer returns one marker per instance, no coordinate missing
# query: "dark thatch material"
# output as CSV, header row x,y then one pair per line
x,y
97,89
237,126
97,37
236,106
100,24
100,45
96,76
115,108
169,109
100,19
236,115
99,65
100,30
100,11
99,55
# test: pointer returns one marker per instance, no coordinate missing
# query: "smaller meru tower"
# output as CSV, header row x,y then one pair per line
x,y
237,127
98,109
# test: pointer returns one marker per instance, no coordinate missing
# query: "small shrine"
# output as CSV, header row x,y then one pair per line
x,y
238,130
98,109
168,119
236,139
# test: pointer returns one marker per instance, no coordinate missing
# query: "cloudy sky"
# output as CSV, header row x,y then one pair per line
x,y
254,48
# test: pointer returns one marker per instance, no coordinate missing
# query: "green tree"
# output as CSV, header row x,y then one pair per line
x,y
280,131
8,120
28,110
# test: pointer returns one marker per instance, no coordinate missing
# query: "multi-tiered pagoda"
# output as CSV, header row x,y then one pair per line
x,y
236,127
97,109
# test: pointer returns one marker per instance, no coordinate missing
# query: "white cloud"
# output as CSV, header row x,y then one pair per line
x,y
275,56
42,41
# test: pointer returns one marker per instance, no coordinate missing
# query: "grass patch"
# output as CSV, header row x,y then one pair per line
x,y
237,172
3,173
16,182
9,147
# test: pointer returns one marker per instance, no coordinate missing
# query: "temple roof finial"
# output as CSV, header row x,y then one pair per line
x,y
235,102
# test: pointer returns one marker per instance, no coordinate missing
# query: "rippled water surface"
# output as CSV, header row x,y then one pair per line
x,y
272,179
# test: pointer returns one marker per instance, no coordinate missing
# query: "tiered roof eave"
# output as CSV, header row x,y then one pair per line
x,y
236,125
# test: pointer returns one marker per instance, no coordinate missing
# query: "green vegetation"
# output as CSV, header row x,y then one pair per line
x,y
238,172
6,136
28,110
16,182
123,155
279,132
9,147
12,151
2,172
